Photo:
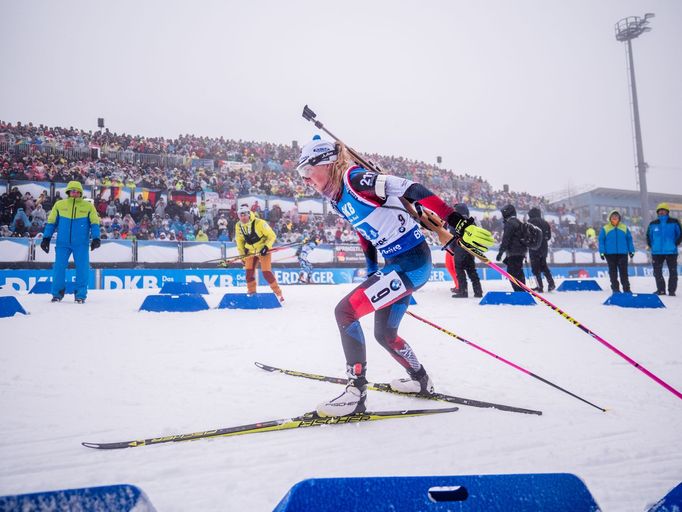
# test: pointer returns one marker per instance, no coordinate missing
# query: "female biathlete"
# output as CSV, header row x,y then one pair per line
x,y
371,203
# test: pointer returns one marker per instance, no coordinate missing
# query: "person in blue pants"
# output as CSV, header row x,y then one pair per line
x,y
663,237
76,222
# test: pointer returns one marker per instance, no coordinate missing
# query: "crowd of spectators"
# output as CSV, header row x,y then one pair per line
x,y
54,154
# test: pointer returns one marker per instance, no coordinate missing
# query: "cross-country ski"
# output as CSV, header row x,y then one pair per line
x,y
311,419
382,386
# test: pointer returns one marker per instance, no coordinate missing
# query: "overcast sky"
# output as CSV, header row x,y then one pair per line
x,y
531,93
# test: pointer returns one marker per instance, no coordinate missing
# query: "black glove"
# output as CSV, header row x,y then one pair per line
x,y
95,243
499,256
602,256
458,223
45,245
632,255
264,251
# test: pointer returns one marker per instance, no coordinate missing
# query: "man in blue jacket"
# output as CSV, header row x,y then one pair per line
x,y
615,243
663,236
76,221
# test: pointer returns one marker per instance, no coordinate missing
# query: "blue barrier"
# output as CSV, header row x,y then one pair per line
x,y
173,288
635,300
10,306
112,498
244,301
46,287
472,493
510,298
141,278
579,285
174,303
671,502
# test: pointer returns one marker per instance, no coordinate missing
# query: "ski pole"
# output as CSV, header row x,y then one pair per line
x,y
241,257
500,358
572,320
435,223
309,115
225,261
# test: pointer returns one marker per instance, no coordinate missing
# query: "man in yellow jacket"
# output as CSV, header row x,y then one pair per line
x,y
254,238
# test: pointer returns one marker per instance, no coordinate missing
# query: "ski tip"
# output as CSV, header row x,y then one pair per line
x,y
446,409
90,445
263,366
417,412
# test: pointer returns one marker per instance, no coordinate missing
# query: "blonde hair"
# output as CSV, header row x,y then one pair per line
x,y
344,160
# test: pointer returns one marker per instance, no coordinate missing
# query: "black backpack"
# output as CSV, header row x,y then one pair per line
x,y
531,236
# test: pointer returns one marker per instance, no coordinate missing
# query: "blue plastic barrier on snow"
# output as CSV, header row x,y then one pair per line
x,y
671,502
173,288
579,285
112,498
244,301
10,306
46,287
511,298
520,493
635,300
175,303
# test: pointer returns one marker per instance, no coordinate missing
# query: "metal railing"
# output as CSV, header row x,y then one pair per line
x,y
90,152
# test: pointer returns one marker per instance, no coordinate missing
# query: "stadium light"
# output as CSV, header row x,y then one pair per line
x,y
628,29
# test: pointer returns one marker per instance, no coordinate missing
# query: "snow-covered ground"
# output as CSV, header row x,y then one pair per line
x,y
106,372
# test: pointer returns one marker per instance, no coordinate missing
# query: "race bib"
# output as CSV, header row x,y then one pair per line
x,y
386,290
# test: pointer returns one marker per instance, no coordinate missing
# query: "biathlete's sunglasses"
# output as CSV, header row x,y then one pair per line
x,y
305,168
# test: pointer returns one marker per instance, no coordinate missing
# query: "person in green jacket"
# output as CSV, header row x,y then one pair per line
x,y
201,236
77,225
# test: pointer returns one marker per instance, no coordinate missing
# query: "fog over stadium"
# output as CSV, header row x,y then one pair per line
x,y
533,94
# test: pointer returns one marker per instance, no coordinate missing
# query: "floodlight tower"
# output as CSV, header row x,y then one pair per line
x,y
628,29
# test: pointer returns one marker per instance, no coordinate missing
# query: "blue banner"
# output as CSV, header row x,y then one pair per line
x,y
24,280
113,279
116,279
